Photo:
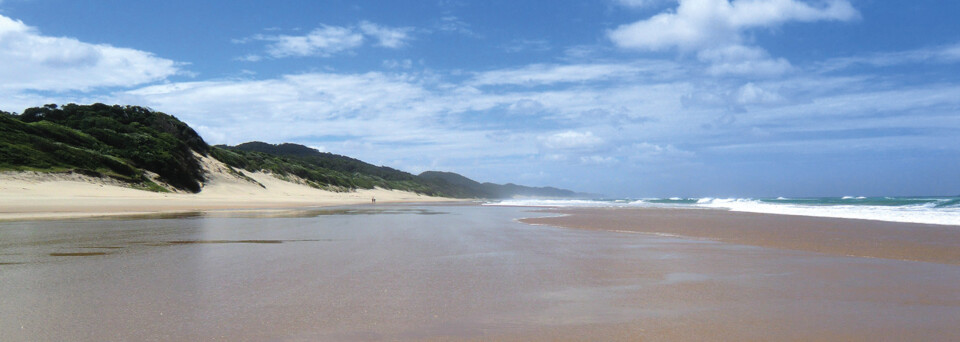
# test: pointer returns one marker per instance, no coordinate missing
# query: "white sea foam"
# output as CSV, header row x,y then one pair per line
x,y
922,213
928,212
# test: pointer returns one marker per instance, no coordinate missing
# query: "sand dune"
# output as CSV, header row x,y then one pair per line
x,y
35,195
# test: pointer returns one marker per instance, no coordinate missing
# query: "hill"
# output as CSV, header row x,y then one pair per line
x,y
156,151
319,169
454,182
124,142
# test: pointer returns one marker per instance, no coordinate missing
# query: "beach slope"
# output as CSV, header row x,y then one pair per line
x,y
40,195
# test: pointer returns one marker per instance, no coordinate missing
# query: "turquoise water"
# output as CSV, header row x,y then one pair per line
x,y
929,210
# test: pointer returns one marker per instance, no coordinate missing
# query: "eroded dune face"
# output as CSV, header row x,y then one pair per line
x,y
25,195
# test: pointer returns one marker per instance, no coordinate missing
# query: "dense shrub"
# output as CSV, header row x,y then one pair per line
x,y
116,139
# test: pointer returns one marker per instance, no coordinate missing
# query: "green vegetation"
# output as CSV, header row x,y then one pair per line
x,y
124,142
452,183
318,169
116,141
456,185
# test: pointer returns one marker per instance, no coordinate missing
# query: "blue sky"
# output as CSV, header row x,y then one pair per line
x,y
623,97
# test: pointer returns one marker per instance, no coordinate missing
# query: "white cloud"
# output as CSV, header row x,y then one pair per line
x,y
704,23
545,74
526,107
395,64
288,99
582,52
554,157
951,53
642,3
250,58
387,37
323,42
743,60
326,40
454,24
32,61
939,54
715,29
736,98
617,114
752,94
412,120
646,150
598,160
571,140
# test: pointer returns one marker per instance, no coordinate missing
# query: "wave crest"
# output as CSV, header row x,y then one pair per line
x,y
945,211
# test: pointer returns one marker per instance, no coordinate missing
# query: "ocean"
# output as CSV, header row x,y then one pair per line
x,y
928,210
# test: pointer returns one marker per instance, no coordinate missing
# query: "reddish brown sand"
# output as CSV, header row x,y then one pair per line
x,y
844,237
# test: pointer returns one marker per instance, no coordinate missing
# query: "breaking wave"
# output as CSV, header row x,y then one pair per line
x,y
929,210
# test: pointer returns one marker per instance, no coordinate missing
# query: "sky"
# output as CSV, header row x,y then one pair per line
x,y
627,98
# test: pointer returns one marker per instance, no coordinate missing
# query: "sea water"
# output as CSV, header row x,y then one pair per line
x,y
928,210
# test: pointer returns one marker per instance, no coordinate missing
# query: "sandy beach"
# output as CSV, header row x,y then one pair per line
x,y
446,273
841,237
266,260
34,195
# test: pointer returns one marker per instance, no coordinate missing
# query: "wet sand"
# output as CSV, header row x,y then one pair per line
x,y
441,273
843,237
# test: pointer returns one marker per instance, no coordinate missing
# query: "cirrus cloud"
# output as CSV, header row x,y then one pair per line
x,y
571,140
327,40
641,3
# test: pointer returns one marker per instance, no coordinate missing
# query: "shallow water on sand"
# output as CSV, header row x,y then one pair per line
x,y
442,272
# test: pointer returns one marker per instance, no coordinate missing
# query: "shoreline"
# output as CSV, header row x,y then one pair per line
x,y
260,209
46,196
834,236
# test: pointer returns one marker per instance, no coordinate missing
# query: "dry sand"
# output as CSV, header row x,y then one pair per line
x,y
843,237
33,195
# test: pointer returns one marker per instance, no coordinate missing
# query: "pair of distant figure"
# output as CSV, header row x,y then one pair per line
x,y
373,200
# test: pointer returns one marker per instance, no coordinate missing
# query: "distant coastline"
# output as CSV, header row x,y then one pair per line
x,y
105,160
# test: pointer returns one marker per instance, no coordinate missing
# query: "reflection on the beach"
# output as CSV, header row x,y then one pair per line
x,y
263,213
409,273
43,241
307,213
78,254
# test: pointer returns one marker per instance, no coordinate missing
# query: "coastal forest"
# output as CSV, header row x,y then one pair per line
x,y
143,148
